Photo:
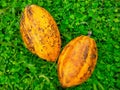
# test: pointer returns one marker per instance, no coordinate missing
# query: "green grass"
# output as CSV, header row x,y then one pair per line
x,y
21,70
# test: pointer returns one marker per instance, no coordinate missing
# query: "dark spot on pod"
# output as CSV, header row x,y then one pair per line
x,y
31,48
31,27
34,24
29,43
43,16
22,18
41,50
28,39
81,78
48,54
51,34
29,30
53,28
55,36
89,69
48,26
52,45
85,52
95,48
58,45
93,56
22,21
40,29
85,74
43,9
67,81
29,10
42,42
48,37
47,41
44,47
62,74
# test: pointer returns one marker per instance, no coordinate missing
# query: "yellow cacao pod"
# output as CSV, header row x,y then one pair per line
x,y
40,32
77,61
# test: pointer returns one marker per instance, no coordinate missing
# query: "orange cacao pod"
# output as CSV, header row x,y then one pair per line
x,y
40,32
77,61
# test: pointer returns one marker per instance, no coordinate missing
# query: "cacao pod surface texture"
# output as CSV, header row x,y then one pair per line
x,y
40,32
77,61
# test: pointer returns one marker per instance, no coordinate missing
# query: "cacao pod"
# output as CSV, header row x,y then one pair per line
x,y
40,32
77,61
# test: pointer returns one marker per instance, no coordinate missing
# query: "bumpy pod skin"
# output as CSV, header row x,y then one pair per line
x,y
40,32
77,61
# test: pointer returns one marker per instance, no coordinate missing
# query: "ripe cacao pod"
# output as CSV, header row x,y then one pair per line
x,y
77,61
40,32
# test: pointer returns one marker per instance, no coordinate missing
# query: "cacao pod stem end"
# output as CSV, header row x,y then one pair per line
x,y
89,33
